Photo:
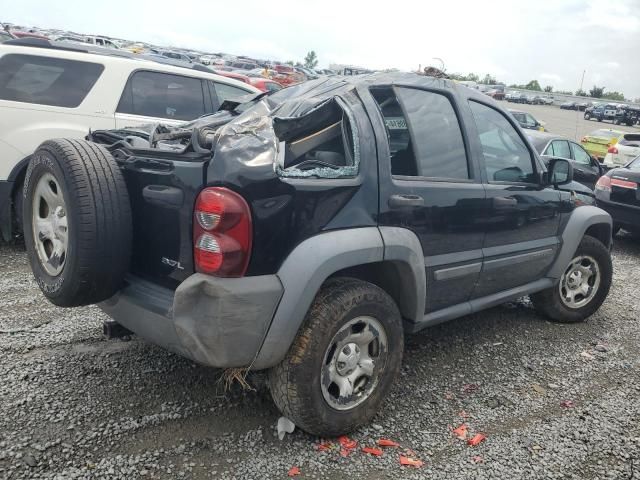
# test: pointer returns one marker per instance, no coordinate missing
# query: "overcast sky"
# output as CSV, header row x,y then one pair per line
x,y
516,41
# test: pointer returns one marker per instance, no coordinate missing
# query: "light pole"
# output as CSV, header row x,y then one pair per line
x,y
575,135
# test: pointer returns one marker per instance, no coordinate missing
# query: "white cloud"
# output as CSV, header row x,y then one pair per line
x,y
551,77
560,38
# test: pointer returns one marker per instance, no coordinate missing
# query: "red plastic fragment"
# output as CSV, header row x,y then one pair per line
x,y
567,404
385,442
412,462
478,459
293,471
322,447
373,451
347,443
461,432
477,439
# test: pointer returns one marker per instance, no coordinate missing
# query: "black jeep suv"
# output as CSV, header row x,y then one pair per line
x,y
309,231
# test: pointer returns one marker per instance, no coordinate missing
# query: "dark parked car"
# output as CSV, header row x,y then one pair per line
x,y
308,231
618,192
586,169
519,98
535,100
527,121
569,106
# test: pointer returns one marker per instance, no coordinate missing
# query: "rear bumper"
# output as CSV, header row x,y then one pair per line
x,y
219,322
623,215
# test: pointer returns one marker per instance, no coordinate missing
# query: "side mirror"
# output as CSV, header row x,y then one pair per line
x,y
560,172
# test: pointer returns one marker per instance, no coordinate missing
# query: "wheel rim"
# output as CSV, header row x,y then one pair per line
x,y
580,282
353,363
50,229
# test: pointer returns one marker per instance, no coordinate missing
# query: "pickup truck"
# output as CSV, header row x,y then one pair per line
x,y
309,231
601,112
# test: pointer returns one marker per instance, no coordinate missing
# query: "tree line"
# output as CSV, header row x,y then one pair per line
x,y
595,92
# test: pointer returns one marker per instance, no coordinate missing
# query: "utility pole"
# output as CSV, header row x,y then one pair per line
x,y
575,136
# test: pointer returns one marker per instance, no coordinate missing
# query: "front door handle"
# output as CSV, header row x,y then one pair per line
x,y
404,201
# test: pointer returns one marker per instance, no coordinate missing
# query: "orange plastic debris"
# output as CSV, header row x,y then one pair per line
x,y
385,442
373,451
477,439
344,452
322,447
347,443
461,432
293,471
412,462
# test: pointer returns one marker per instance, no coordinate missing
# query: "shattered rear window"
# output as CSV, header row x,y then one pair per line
x,y
322,143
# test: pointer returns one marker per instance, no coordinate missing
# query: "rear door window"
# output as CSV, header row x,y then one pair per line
x,y
47,81
425,139
163,95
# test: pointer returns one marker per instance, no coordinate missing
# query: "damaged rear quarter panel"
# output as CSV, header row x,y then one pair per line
x,y
288,209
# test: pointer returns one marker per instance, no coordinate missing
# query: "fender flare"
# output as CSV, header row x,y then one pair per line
x,y
581,219
316,259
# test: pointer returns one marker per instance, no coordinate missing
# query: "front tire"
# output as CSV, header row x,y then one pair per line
x,y
583,286
587,116
343,361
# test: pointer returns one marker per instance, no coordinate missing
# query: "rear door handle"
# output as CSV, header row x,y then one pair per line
x,y
404,201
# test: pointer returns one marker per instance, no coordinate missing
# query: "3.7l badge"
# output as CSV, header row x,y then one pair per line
x,y
172,263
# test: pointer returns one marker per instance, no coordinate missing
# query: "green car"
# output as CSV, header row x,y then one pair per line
x,y
597,143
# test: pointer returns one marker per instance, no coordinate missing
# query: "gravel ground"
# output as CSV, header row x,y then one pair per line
x,y
75,405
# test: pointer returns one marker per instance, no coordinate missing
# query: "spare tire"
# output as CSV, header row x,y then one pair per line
x,y
77,222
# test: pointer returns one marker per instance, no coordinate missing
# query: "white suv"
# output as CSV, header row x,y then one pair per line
x,y
52,91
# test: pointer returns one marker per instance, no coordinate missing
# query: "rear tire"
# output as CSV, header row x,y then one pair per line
x,y
307,386
77,222
593,273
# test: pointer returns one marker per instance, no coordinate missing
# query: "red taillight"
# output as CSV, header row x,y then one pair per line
x,y
221,233
604,184
616,182
613,149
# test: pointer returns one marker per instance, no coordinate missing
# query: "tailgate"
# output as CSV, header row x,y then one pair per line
x,y
162,191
